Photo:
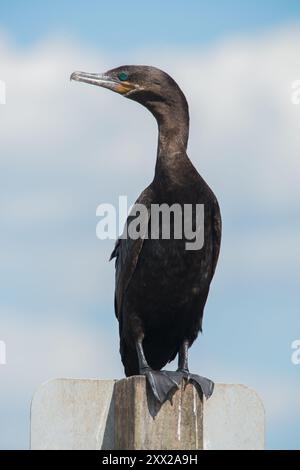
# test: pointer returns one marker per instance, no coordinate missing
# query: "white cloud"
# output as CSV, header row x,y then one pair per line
x,y
42,348
66,145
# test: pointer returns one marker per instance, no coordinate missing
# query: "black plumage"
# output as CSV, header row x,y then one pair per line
x,y
161,287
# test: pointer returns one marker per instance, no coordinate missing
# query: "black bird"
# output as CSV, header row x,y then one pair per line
x,y
162,287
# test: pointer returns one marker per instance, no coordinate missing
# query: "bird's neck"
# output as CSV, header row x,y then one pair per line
x,y
173,133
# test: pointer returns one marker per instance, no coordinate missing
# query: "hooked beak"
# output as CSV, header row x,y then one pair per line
x,y
104,81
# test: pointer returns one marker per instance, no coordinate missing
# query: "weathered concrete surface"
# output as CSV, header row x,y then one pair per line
x,y
73,414
233,418
140,423
105,414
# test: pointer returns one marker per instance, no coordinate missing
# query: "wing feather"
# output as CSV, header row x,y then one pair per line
x,y
127,251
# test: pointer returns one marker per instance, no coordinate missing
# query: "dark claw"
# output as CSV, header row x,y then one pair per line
x,y
206,385
160,383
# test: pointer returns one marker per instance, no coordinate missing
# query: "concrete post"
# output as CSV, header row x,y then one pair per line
x,y
141,423
73,414
108,414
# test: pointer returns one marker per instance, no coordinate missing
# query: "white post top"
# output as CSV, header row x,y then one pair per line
x,y
79,414
73,414
233,419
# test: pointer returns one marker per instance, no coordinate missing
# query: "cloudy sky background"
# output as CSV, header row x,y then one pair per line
x,y
67,147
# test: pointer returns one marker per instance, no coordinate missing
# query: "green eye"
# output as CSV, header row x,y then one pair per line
x,y
123,76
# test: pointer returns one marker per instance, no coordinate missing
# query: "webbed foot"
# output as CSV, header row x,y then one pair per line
x,y
205,385
161,383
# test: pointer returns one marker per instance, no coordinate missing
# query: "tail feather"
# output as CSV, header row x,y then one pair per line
x,y
129,358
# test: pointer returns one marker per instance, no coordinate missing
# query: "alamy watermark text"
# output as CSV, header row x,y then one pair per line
x,y
157,222
2,92
2,353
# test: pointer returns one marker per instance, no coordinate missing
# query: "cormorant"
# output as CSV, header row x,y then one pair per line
x,y
161,287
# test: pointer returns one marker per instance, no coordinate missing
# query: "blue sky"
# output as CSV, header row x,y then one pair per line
x,y
65,148
133,24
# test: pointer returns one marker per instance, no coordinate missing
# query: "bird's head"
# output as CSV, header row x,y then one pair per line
x,y
147,85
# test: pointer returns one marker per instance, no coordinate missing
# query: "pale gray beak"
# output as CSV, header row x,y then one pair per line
x,y
103,80
99,79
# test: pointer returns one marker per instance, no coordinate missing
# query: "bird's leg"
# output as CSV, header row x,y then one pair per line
x,y
183,358
182,371
206,386
160,383
143,364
